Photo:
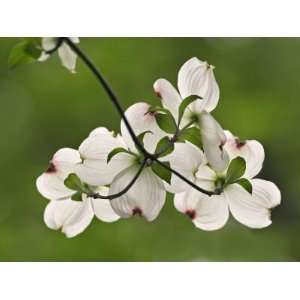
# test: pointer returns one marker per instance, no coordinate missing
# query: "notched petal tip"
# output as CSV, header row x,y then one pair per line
x,y
137,212
239,143
191,213
51,168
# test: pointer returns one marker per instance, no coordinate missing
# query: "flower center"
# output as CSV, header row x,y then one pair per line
x,y
219,185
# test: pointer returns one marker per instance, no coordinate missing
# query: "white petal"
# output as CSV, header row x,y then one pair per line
x,y
250,210
71,217
252,151
51,186
213,139
207,213
44,56
102,207
146,197
66,159
187,167
265,193
168,95
99,172
75,40
49,43
51,183
68,57
99,144
141,121
206,177
94,150
196,77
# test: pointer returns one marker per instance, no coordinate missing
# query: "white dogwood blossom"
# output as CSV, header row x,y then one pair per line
x,y
196,78
147,196
66,54
62,213
250,209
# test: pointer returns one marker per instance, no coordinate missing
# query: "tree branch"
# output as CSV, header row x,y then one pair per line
x,y
125,190
198,188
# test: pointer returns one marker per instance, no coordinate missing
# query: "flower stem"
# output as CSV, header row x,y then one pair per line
x,y
198,188
125,190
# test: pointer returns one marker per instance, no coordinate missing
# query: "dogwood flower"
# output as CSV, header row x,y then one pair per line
x,y
195,77
212,212
147,196
66,54
62,213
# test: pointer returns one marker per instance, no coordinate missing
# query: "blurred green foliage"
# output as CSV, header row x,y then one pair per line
x,y
44,108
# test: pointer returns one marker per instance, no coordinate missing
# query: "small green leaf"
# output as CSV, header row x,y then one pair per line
x,y
142,135
164,147
26,51
235,170
246,184
184,104
115,152
154,109
166,122
193,135
77,197
161,172
74,183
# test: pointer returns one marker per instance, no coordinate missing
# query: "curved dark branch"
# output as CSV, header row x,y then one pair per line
x,y
58,44
108,90
125,190
208,193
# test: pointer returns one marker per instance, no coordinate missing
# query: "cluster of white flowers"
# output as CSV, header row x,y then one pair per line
x,y
183,134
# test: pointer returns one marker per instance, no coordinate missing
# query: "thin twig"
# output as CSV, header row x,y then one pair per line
x,y
198,188
125,190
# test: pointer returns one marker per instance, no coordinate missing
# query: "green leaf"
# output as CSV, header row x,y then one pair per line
x,y
74,183
161,172
164,146
246,184
154,109
142,135
193,135
77,197
235,170
166,122
115,152
184,104
26,51
164,119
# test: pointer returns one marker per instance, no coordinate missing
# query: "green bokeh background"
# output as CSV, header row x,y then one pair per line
x,y
44,108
